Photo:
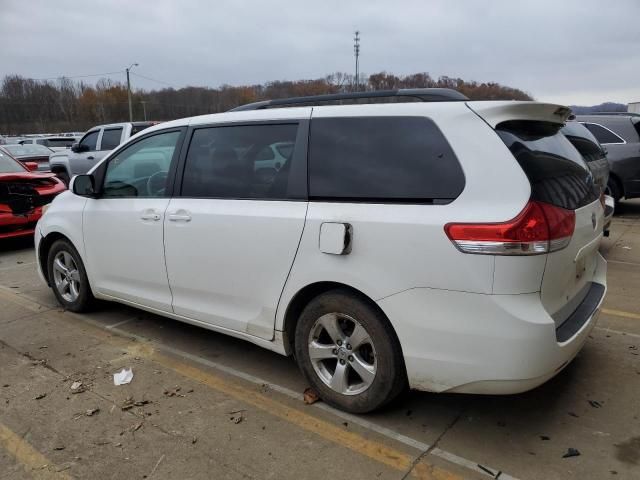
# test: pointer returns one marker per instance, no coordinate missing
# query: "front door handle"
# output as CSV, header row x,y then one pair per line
x,y
91,157
150,216
180,217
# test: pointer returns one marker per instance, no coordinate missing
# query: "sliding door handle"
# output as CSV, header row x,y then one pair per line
x,y
179,217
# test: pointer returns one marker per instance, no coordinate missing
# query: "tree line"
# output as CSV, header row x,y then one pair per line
x,y
46,106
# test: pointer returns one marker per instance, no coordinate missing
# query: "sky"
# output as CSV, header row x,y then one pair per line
x,y
575,52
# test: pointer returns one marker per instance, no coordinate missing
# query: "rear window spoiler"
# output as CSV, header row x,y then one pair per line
x,y
495,113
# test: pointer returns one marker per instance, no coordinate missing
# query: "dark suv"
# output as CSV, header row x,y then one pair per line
x,y
619,133
595,157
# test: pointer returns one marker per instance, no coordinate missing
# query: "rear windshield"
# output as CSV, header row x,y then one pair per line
x,y
555,169
9,165
385,159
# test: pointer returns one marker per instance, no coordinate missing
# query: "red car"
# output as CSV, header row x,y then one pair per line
x,y
23,193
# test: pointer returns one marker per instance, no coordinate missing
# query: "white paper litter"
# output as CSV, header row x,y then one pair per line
x,y
123,377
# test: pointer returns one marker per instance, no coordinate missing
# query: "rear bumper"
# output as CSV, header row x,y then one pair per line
x,y
488,344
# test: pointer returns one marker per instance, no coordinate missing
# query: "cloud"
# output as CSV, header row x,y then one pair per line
x,y
573,51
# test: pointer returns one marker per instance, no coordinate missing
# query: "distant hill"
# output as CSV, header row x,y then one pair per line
x,y
603,107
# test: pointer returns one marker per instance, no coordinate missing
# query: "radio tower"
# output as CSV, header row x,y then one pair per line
x,y
356,52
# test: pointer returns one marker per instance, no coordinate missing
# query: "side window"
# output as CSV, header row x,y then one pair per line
x,y
239,162
402,159
110,138
604,135
141,170
90,140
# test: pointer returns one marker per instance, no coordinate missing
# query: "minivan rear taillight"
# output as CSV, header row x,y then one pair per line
x,y
539,228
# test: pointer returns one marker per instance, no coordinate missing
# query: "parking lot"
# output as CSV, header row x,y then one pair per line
x,y
204,405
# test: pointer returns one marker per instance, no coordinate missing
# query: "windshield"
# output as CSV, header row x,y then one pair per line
x,y
28,150
9,165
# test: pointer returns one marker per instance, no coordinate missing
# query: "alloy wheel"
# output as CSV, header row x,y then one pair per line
x,y
342,353
66,276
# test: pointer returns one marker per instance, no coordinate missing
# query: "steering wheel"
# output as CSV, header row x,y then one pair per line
x,y
156,184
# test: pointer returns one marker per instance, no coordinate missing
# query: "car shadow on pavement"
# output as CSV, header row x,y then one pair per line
x,y
628,208
16,243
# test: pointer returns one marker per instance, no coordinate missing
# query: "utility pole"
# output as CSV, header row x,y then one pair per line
x,y
356,51
129,90
144,109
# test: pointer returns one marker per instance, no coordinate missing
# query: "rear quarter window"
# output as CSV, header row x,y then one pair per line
x,y
603,134
555,169
385,159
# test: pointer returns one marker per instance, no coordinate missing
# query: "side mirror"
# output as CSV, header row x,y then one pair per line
x,y
79,148
84,186
31,166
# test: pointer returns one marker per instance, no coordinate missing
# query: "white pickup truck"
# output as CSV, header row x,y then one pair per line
x,y
93,147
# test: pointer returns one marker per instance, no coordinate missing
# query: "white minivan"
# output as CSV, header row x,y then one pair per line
x,y
443,245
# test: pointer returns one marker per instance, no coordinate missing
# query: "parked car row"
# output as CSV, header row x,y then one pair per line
x,y
30,153
93,147
595,157
54,143
444,245
619,133
23,195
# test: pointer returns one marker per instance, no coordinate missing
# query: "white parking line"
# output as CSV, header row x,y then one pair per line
x,y
387,432
117,324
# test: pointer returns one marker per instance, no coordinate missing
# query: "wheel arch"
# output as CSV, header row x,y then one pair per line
x,y
43,251
302,298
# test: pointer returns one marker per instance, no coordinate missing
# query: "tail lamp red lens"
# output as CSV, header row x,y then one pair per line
x,y
539,228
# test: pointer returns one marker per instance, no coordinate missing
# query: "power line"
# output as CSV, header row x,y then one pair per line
x,y
152,79
99,75
76,76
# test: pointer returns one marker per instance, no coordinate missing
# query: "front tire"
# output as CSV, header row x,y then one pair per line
x,y
349,353
68,277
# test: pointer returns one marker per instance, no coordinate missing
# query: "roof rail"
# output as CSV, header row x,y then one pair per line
x,y
623,114
423,94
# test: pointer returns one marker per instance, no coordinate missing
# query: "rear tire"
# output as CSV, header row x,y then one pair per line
x,y
349,353
68,277
63,176
614,191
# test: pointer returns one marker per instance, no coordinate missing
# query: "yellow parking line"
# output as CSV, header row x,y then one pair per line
x,y
369,448
32,461
620,313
